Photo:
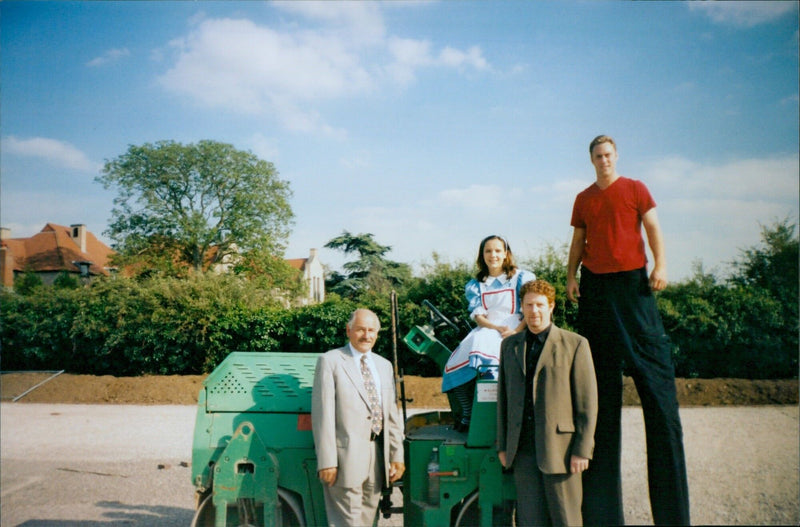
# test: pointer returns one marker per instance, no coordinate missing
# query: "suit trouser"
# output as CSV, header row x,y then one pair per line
x,y
618,315
545,499
357,506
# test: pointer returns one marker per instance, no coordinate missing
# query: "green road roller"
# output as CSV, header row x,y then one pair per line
x,y
253,459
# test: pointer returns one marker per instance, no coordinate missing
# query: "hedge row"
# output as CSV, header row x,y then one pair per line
x,y
170,326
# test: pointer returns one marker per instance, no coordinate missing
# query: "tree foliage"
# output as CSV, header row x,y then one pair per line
x,y
371,273
722,331
551,265
269,272
66,280
744,326
773,266
27,283
442,284
130,327
195,204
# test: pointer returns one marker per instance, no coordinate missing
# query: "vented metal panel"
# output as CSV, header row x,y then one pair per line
x,y
262,382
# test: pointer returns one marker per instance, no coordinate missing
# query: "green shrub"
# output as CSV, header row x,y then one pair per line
x,y
744,327
35,329
723,331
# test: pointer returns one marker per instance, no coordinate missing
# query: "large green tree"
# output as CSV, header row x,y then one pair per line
x,y
773,265
371,272
195,204
745,326
551,265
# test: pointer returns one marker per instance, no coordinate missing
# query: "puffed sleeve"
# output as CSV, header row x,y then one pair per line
x,y
473,294
523,276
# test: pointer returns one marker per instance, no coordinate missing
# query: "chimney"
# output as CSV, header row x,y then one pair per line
x,y
312,254
5,233
78,233
6,267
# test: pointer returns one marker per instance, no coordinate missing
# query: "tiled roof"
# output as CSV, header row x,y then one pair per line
x,y
297,263
53,249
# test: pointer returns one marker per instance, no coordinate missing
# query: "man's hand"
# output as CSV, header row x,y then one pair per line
x,y
328,475
658,279
502,457
573,292
574,258
578,464
396,470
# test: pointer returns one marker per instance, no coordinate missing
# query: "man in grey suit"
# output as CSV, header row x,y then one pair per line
x,y
546,412
357,428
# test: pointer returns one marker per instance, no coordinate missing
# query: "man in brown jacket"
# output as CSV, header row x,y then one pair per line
x,y
546,412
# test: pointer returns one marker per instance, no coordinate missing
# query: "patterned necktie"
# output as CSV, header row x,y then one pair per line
x,y
372,395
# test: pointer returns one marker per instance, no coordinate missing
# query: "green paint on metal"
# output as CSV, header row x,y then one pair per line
x,y
421,339
262,382
253,436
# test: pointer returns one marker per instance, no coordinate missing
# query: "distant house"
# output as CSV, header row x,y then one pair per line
x,y
313,274
54,250
76,250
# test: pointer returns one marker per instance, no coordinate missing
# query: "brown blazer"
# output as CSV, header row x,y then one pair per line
x,y
564,399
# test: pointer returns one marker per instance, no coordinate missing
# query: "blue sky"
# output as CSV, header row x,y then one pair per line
x,y
428,124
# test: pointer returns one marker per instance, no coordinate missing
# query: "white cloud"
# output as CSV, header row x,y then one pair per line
x,y
298,119
709,212
237,64
248,68
358,161
485,196
410,52
264,147
361,21
773,179
456,58
112,55
57,153
743,14
410,55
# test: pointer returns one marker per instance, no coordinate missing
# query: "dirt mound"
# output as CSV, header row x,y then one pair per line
x,y
422,392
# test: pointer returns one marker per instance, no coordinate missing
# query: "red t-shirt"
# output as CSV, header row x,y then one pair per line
x,y
612,219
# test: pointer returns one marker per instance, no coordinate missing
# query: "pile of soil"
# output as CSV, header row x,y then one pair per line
x,y
421,392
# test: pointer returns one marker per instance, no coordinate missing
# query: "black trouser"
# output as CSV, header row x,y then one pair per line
x,y
617,313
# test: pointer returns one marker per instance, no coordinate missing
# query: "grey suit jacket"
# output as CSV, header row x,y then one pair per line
x,y
564,397
340,417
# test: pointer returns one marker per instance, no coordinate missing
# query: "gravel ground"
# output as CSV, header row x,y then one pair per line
x,y
84,465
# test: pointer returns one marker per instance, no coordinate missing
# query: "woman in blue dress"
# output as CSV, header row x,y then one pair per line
x,y
494,305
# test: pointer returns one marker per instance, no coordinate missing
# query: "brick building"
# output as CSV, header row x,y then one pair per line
x,y
77,251
53,250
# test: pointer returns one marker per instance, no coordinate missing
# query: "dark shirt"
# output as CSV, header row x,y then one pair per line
x,y
534,343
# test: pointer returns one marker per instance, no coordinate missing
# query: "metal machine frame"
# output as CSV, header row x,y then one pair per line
x,y
253,458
